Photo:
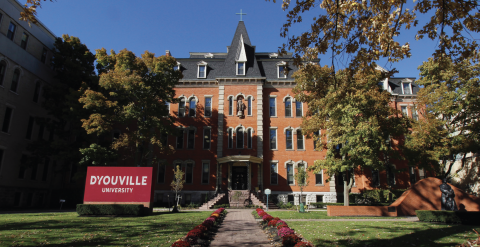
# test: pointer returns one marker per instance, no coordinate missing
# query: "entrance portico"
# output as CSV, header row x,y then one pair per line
x,y
240,170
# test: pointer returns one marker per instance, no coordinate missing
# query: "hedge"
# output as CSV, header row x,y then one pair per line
x,y
110,209
323,204
457,217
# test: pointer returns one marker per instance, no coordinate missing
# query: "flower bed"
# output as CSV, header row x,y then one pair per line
x,y
201,231
279,231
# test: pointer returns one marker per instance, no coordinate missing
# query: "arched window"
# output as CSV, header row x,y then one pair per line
x,y
289,139
288,107
3,68
298,109
15,79
181,108
192,106
239,138
299,139
249,106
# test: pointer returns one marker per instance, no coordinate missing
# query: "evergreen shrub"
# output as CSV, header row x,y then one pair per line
x,y
456,217
110,209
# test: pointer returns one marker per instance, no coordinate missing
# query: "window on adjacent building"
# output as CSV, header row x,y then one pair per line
x,y
36,93
413,177
11,31
288,107
249,138
161,173
240,68
205,172
273,173
273,110
375,178
299,140
189,173
319,178
191,139
407,88
281,71
45,169
23,44
208,106
7,119
15,79
404,110
180,139
290,180
240,138
289,139
44,55
202,71
206,137
298,109
31,120
230,106
414,112
181,108
192,107
3,68
273,139
316,139
230,138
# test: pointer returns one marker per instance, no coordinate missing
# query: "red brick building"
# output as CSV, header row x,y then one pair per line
x,y
240,128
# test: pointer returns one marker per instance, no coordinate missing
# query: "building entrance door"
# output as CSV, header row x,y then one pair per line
x,y
240,178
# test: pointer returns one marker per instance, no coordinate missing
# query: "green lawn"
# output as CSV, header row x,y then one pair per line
x,y
160,229
371,233
316,215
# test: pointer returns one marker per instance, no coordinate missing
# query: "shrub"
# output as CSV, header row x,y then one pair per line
x,y
208,224
110,209
267,218
195,233
272,223
285,231
290,239
282,226
181,243
201,228
303,244
280,222
458,217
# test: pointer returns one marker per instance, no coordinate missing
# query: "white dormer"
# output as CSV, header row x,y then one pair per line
x,y
273,55
407,86
241,58
202,69
281,69
208,55
177,67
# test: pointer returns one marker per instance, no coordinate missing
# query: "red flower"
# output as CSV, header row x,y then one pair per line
x,y
290,239
181,244
303,244
281,226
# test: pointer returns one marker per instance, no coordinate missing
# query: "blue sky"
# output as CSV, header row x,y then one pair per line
x,y
185,26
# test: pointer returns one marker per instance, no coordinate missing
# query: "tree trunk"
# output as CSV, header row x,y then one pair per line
x,y
346,187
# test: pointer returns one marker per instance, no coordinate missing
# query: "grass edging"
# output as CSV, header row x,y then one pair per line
x,y
455,217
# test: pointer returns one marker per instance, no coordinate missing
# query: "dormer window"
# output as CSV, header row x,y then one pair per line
x,y
281,70
407,88
202,70
177,67
240,68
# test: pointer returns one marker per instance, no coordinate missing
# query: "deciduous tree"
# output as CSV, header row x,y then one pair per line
x,y
301,178
177,184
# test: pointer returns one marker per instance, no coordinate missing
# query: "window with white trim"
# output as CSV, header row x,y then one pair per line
x,y
289,139
15,79
404,110
288,107
208,106
273,172
407,88
11,31
249,138
240,138
316,139
189,173
301,166
281,71
202,71
230,138
205,172
273,139
192,107
300,139
240,68
414,112
273,106
7,118
413,177
290,179
181,107
298,109
24,41
180,135
319,178
207,136
191,139
249,106
230,106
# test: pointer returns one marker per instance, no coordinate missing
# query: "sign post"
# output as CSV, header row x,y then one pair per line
x,y
267,192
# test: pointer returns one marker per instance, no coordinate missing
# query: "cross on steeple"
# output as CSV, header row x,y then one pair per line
x,y
240,14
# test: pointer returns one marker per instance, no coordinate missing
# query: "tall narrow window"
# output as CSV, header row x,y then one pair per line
x,y
206,137
167,106
404,110
45,169
230,106
249,102
414,112
239,138
189,173
273,173
208,107
44,55
15,79
180,139
31,120
181,108
161,173
289,139
202,69
299,140
290,180
413,177
375,178
273,139
281,72
319,178
240,68
230,138
192,107
249,138
164,139
316,139
298,109
406,88
205,172
301,167
3,68
36,93
23,44
1,150
288,107
33,175
11,31
7,119
191,139
391,175
273,110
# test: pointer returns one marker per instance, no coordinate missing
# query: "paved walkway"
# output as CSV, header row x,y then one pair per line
x,y
239,228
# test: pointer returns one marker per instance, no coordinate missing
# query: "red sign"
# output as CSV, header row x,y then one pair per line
x,y
119,184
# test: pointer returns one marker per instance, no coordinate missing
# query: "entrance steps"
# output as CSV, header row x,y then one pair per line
x,y
219,199
259,202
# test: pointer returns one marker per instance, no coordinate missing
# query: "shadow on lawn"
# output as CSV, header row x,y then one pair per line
x,y
93,231
425,237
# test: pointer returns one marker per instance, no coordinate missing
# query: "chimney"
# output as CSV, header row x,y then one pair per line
x,y
167,53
